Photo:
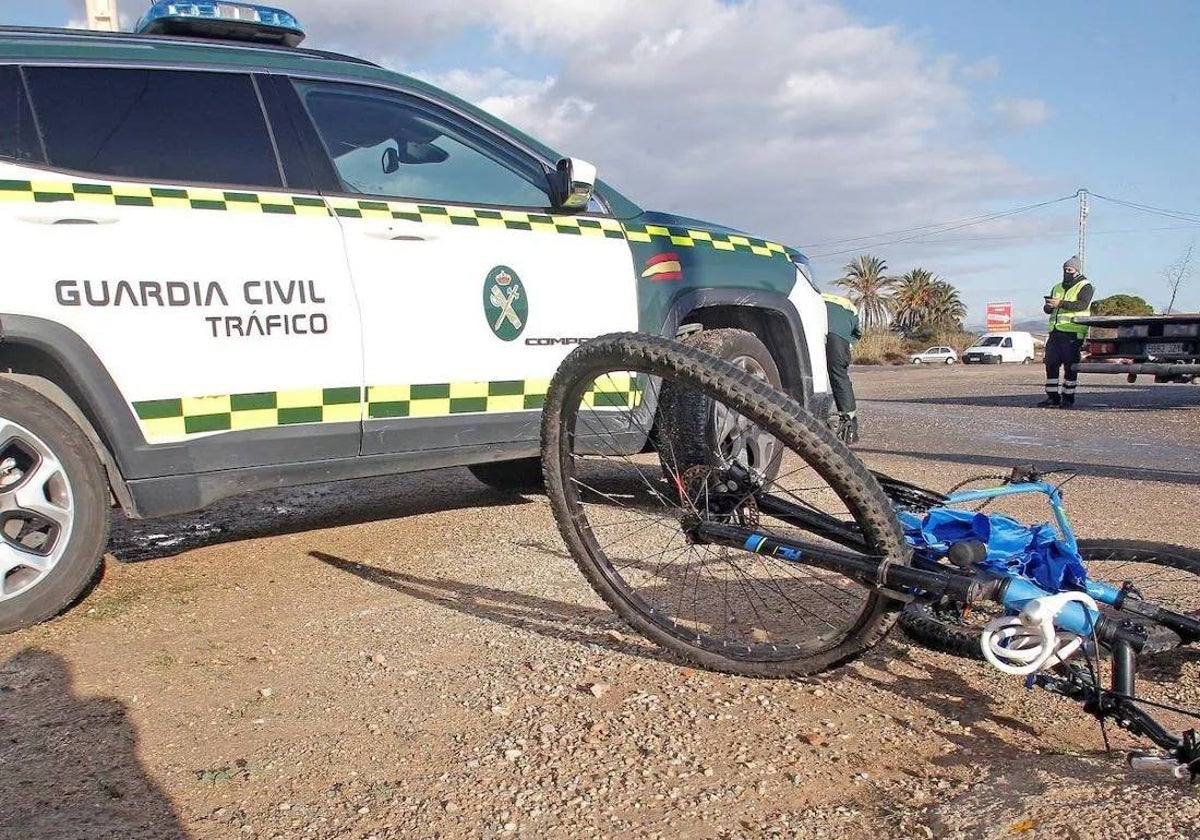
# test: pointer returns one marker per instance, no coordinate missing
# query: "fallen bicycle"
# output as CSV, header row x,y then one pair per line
x,y
727,525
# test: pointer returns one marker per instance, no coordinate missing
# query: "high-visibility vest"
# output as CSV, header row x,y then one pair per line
x,y
843,302
1065,321
843,317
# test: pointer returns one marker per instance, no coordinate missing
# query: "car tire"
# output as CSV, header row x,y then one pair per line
x,y
949,361
510,476
916,361
685,416
54,509
1028,360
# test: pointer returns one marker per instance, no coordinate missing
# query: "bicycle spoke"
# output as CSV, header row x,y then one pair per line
x,y
641,475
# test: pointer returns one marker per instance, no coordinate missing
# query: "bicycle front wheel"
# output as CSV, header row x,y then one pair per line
x,y
628,486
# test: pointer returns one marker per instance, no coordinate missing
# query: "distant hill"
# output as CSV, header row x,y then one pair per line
x,y
1033,325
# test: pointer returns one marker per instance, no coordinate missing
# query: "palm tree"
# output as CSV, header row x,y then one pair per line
x,y
869,286
913,300
946,309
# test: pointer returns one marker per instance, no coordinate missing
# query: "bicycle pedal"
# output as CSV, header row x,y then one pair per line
x,y
1150,763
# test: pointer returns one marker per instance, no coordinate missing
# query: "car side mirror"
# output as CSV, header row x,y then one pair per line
x,y
576,184
390,164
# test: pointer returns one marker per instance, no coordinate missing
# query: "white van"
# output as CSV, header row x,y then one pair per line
x,y
995,348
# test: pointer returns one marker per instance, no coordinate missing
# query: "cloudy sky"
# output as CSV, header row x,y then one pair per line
x,y
837,126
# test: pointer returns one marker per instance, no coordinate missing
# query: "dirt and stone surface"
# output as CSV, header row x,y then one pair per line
x,y
418,657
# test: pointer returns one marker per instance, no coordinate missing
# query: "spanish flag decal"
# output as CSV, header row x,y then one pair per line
x,y
664,267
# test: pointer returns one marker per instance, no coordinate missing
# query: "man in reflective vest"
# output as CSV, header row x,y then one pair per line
x,y
1068,300
844,330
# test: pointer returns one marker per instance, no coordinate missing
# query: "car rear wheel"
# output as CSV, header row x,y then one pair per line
x,y
916,361
53,509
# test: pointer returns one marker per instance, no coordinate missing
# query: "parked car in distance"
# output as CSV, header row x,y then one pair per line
x,y
934,356
999,347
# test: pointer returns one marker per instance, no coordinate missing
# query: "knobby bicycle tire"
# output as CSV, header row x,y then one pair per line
x,y
810,441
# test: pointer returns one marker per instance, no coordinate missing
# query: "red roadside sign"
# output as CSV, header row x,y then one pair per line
x,y
999,317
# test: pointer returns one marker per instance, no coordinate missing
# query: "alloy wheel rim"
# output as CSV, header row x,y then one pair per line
x,y
37,510
736,438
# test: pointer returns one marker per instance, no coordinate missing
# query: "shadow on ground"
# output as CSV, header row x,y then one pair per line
x,y
299,509
572,623
69,763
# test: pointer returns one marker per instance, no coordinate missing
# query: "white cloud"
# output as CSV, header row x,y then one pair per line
x,y
983,70
1021,113
791,119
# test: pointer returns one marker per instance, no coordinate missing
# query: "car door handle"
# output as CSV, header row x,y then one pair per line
x,y
67,218
395,233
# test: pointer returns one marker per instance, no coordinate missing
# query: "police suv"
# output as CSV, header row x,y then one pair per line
x,y
233,264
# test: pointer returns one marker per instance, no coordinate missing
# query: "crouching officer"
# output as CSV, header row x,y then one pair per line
x,y
845,330
1068,300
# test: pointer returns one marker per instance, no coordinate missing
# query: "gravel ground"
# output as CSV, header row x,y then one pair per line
x,y
418,657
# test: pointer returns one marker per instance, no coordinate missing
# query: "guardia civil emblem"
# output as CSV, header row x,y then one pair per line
x,y
504,303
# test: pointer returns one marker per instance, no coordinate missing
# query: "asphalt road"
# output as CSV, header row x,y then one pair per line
x,y
986,416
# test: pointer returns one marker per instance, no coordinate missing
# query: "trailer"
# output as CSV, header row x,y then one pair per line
x,y
1166,347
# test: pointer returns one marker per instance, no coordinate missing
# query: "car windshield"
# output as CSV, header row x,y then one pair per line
x,y
990,341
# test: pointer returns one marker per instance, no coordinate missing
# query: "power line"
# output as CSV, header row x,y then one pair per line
x,y
1181,215
986,217
946,227
1062,235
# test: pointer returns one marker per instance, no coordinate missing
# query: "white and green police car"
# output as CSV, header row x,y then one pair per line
x,y
233,264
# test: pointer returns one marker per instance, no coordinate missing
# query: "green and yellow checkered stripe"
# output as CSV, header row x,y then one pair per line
x,y
477,217
688,238
440,400
180,417
50,190
386,401
141,195
183,416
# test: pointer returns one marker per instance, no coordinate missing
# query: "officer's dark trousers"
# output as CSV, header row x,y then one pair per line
x,y
837,354
1062,353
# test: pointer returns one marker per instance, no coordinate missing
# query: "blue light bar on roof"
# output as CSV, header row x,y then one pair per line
x,y
222,21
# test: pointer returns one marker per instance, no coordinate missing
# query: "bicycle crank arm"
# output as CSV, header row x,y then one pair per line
x,y
869,570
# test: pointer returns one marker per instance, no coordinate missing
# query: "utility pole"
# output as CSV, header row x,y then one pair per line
x,y
1083,216
102,15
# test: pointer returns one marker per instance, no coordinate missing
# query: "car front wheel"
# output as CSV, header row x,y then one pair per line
x,y
916,361
698,431
53,508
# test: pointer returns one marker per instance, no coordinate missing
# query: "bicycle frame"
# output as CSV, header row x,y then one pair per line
x,y
1122,598
907,582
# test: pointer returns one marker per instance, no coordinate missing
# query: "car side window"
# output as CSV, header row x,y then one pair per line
x,y
170,126
18,132
386,144
1006,343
